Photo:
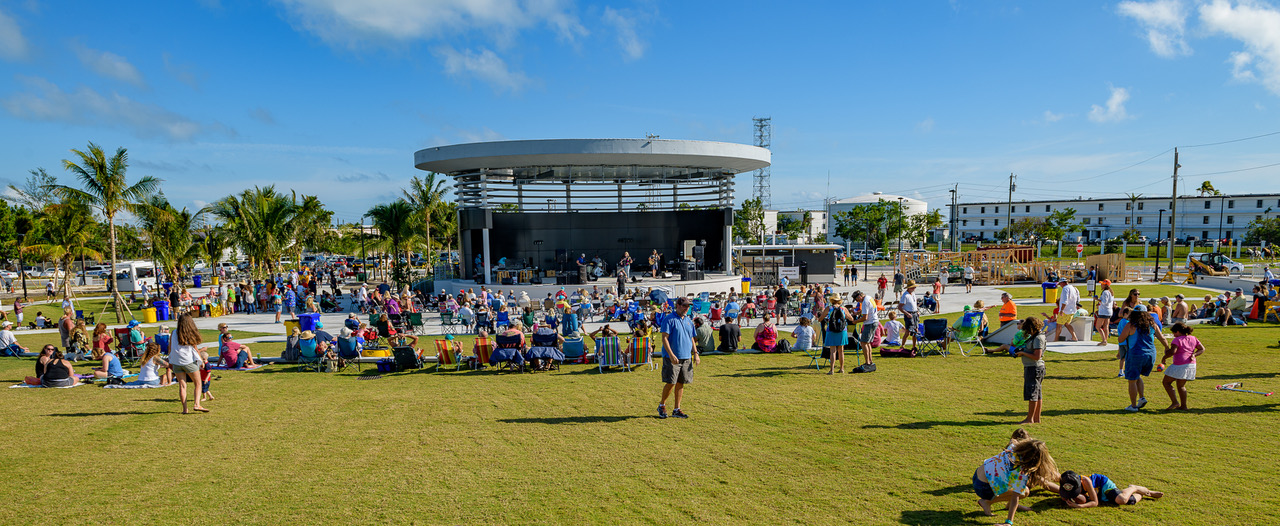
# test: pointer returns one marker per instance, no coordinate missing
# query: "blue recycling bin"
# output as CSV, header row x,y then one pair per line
x,y
307,322
167,285
162,309
198,279
1049,292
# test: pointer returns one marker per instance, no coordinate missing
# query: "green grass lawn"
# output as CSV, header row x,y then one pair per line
x,y
1120,291
770,441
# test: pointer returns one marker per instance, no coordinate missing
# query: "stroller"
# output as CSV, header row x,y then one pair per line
x,y
328,303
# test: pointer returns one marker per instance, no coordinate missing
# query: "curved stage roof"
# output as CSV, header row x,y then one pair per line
x,y
593,156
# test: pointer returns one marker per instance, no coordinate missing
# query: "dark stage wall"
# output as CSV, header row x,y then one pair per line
x,y
608,234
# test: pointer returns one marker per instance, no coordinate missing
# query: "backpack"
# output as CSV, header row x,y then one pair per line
x,y
836,321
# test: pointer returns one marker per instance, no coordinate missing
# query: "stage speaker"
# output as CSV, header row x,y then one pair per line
x,y
562,279
562,256
508,281
699,253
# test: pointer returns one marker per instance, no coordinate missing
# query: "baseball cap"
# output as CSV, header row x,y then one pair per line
x,y
6,323
1069,485
133,323
1140,308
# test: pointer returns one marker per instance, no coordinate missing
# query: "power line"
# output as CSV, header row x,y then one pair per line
x,y
1232,140
1233,171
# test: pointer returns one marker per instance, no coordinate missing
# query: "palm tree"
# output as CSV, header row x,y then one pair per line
x,y
425,196
62,232
266,224
396,222
1207,188
171,233
1133,207
106,189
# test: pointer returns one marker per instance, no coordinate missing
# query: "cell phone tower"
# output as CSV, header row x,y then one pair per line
x,y
764,139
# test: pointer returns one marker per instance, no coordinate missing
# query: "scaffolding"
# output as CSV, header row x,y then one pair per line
x,y
763,138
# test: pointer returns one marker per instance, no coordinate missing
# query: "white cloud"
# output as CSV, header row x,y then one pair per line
x,y
482,64
1114,111
44,101
624,25
925,126
353,22
108,64
1165,22
13,46
1257,26
183,72
1050,116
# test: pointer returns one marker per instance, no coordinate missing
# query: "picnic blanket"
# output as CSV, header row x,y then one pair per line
x,y
89,378
22,385
225,368
139,386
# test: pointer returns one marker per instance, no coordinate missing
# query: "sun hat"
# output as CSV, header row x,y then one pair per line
x,y
910,283
307,335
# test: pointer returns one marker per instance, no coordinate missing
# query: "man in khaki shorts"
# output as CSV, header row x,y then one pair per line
x,y
679,354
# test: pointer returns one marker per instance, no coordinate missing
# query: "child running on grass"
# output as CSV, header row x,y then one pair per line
x,y
1184,350
206,377
1124,344
1007,476
1032,354
1084,492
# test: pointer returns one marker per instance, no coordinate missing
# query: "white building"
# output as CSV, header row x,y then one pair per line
x,y
1202,218
911,207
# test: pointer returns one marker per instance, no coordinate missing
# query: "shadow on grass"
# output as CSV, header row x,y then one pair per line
x,y
1149,409
766,372
113,413
929,424
931,517
962,488
568,420
1078,377
1237,376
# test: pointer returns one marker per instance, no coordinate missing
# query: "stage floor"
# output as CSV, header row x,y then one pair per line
x,y
673,286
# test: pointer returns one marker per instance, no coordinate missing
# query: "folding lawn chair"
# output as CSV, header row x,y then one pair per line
x,y
163,341
349,351
509,353
126,351
933,337
447,355
574,350
609,354
642,352
483,349
309,358
503,320
415,323
969,332
406,358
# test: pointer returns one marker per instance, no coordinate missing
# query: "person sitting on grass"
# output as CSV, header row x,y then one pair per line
x,y
766,335
1009,475
152,363
8,341
110,366
730,334
238,356
806,337
58,371
1184,350
42,362
704,336
545,348
1088,492
893,330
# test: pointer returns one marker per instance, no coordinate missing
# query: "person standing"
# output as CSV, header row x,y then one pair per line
x,y
968,278
836,336
1068,302
881,285
1106,306
870,320
898,280
186,363
782,296
910,313
854,272
679,354
1141,354
1032,355
653,263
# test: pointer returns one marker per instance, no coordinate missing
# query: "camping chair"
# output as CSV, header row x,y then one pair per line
x,y
933,337
446,355
415,324
609,354
449,324
642,352
483,321
349,351
508,355
503,321
163,341
574,350
309,358
125,350
483,348
406,358
970,332
716,317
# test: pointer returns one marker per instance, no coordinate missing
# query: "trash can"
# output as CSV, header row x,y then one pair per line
x,y
307,322
746,285
361,277
162,310
1049,292
149,315
289,326
217,281
197,278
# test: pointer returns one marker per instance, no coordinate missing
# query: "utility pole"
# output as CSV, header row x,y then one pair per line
x,y
1173,208
953,232
1008,227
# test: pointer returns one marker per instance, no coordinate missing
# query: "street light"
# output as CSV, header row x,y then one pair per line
x,y
1222,210
1159,230
900,214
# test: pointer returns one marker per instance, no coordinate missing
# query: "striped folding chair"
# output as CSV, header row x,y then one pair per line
x,y
609,354
642,352
483,348
447,355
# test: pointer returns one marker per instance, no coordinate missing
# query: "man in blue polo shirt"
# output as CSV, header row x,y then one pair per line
x,y
679,354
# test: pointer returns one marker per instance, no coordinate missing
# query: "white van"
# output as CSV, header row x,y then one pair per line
x,y
130,275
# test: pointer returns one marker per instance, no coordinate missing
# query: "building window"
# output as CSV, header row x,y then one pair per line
x,y
1029,208
1128,206
1126,220
1046,208
1139,220
1231,203
1206,220
1231,220
997,210
1086,220
1139,205
1207,205
983,210
1259,204
1100,220
1204,235
964,210
1099,207
982,222
997,223
964,222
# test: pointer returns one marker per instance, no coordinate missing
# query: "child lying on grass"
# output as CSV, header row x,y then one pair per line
x,y
1083,492
1008,476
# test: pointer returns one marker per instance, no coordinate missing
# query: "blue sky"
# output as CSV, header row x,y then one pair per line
x,y
332,97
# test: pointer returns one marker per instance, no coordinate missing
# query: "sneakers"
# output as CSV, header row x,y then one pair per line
x,y
1142,402
1120,374
1131,409
679,414
662,411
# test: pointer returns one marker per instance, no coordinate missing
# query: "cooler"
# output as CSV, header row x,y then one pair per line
x,y
1049,292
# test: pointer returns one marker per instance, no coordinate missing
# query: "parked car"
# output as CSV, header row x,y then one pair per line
x,y
52,273
8,274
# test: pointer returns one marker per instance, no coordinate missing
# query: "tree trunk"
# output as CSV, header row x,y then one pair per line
x,y
116,297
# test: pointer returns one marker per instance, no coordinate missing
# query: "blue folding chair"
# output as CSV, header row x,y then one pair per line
x,y
309,358
574,350
349,351
933,337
